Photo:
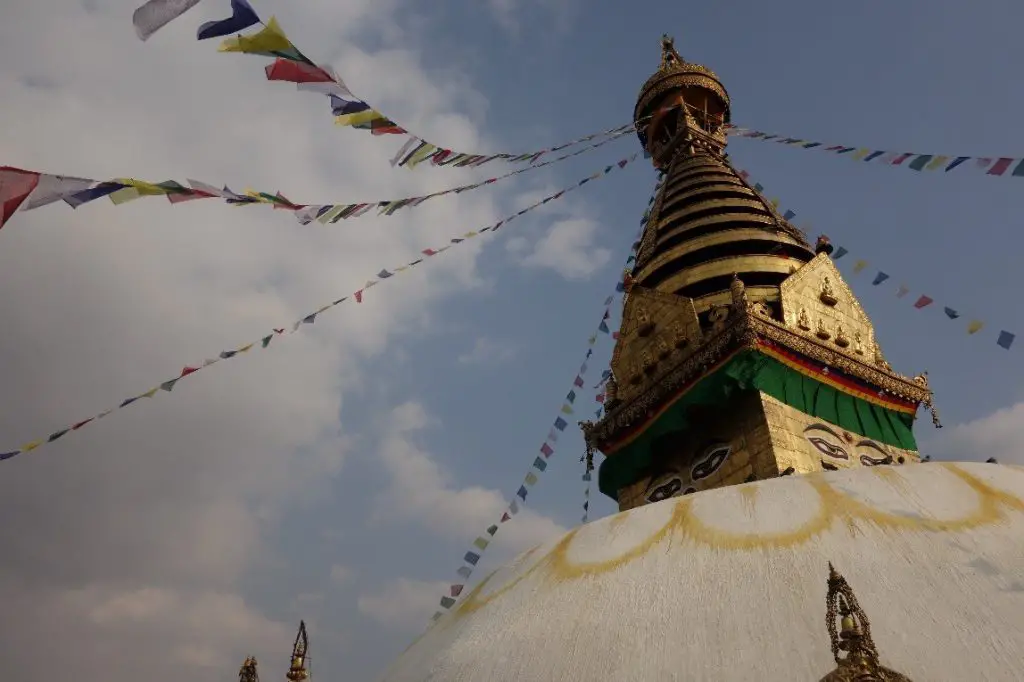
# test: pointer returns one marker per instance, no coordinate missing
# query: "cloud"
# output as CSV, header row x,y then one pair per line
x,y
488,351
404,604
341,574
568,248
136,535
996,435
507,13
421,491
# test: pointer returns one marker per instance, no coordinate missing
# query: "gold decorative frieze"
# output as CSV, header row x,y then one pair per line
x,y
741,331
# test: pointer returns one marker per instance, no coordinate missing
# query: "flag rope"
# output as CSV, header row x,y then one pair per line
x,y
472,557
1004,339
48,189
357,296
997,166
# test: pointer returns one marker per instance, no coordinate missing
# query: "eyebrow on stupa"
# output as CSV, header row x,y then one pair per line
x,y
822,427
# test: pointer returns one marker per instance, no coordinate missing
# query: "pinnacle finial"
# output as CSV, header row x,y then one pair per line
x,y
669,57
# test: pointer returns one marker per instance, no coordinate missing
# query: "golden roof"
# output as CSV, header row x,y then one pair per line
x,y
675,72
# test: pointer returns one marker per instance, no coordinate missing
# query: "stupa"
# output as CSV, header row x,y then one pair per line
x,y
776,520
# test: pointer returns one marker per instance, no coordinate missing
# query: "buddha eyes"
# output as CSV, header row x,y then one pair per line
x,y
713,458
827,448
869,461
665,491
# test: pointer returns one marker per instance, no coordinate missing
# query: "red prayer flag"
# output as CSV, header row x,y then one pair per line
x,y
188,370
294,72
901,158
428,252
359,296
81,424
922,302
505,517
457,590
15,186
546,449
1000,166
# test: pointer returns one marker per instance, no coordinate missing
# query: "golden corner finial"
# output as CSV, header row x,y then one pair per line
x,y
669,56
852,636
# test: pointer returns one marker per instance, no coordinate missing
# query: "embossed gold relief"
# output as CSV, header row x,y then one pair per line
x,y
657,329
803,320
816,298
827,295
981,504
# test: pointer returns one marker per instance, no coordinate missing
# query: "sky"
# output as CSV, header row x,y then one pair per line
x,y
340,475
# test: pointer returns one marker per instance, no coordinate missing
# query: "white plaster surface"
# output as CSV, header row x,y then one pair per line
x,y
730,584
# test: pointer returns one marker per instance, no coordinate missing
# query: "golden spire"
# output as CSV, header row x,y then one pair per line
x,y
247,673
860,664
298,671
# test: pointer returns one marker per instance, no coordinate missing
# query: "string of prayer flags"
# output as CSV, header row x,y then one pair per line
x,y
291,65
540,464
310,318
998,166
1005,338
43,189
155,14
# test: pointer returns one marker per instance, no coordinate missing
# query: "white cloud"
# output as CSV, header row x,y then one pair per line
x,y
133,535
488,351
421,491
998,435
568,248
404,604
341,574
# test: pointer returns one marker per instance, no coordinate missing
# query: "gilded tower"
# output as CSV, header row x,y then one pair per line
x,y
742,355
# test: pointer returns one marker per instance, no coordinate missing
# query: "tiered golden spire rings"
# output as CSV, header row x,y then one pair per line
x,y
860,664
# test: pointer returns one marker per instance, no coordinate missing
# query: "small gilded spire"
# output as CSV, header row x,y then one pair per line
x,y
670,59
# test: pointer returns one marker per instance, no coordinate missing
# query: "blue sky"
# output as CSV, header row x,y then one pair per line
x,y
379,400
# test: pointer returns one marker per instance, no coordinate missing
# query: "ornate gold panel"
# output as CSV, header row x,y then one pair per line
x,y
658,330
695,207
816,302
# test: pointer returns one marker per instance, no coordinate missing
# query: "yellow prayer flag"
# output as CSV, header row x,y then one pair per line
x,y
937,162
151,392
419,156
860,154
257,196
975,326
245,348
471,233
270,39
326,217
531,478
357,118
29,447
145,188
124,195
775,204
859,266
402,267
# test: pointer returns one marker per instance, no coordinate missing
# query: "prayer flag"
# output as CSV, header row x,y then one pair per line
x,y
15,186
923,302
465,571
950,313
270,41
560,424
481,543
447,602
956,162
859,265
546,450
471,558
902,291
521,493
1006,339
242,17
999,167
975,326
879,278
53,188
297,72
840,252
531,478
539,464
155,14
920,162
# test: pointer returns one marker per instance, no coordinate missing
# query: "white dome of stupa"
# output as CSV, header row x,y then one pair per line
x,y
730,584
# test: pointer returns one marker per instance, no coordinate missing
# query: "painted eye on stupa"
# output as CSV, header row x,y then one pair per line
x,y
871,454
713,458
665,490
826,441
